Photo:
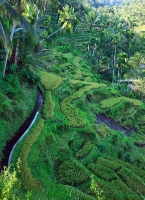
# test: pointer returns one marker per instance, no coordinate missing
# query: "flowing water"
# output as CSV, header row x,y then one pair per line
x,y
10,146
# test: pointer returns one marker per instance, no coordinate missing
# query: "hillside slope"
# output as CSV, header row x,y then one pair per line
x,y
72,152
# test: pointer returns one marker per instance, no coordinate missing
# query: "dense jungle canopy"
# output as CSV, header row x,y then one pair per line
x,y
88,59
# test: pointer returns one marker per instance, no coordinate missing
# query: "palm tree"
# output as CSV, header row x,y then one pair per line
x,y
67,20
16,19
4,35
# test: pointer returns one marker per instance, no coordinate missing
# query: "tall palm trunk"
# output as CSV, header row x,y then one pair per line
x,y
51,34
114,64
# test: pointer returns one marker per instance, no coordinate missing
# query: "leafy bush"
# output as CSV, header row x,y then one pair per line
x,y
28,181
84,150
121,186
75,194
48,107
141,118
50,81
107,163
96,189
72,114
133,197
102,130
139,172
130,178
10,186
14,107
109,191
71,173
102,172
110,102
71,111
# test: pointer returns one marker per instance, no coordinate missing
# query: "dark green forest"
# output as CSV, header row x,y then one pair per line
x,y
88,59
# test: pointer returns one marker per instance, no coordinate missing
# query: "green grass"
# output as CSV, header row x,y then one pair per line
x,y
110,102
102,172
72,173
72,147
102,130
49,81
14,109
84,150
25,173
130,178
71,111
48,106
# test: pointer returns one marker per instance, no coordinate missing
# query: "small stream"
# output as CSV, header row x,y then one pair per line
x,y
111,123
24,128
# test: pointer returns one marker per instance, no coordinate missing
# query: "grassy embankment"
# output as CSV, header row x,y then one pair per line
x,y
71,147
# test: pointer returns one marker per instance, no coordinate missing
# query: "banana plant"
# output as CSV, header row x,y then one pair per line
x,y
6,37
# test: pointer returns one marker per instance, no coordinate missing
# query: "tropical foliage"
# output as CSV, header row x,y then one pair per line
x,y
88,59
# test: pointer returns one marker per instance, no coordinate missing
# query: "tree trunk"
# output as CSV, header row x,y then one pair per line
x,y
114,63
8,49
14,56
51,34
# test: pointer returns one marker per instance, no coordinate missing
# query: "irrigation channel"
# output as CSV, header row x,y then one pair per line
x,y
24,128
10,146
111,123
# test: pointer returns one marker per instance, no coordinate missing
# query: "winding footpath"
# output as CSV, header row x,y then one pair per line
x,y
23,130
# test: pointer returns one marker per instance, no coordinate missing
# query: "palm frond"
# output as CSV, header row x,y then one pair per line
x,y
16,16
41,20
4,36
40,60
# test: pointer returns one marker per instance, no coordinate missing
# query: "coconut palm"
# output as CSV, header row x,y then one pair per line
x,y
67,18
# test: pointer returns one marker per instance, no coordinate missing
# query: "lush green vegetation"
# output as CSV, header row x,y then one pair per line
x,y
87,61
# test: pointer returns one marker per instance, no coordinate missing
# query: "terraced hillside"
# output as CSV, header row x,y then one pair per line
x,y
67,150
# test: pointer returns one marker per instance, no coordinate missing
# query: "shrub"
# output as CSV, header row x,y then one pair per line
x,y
141,118
131,180
138,171
110,102
71,173
72,114
109,192
96,189
50,81
102,130
48,107
121,186
75,194
133,197
70,111
10,186
102,172
84,150
27,180
110,164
